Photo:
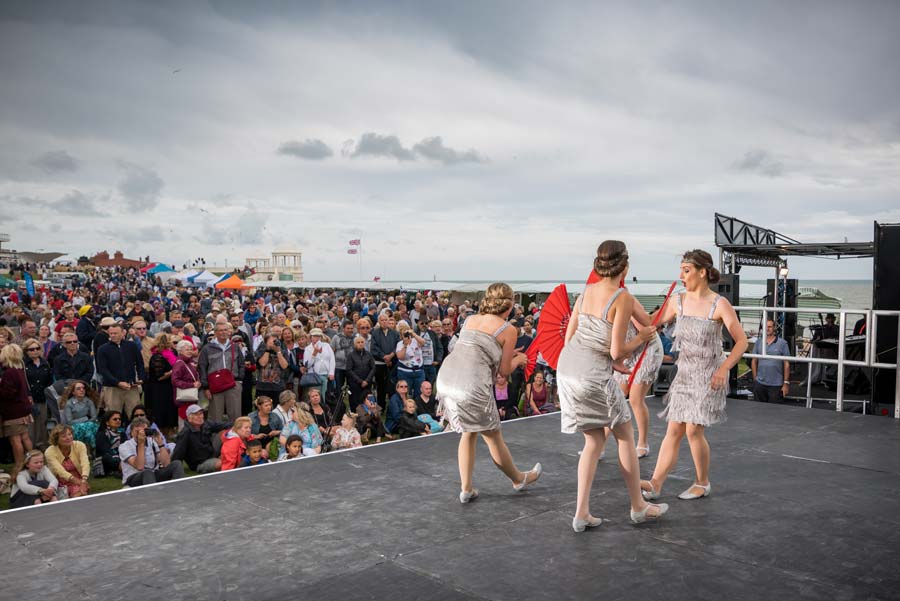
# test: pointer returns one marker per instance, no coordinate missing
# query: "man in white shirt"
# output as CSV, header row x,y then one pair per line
x,y
319,359
150,464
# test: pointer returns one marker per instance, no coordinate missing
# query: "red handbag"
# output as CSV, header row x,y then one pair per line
x,y
222,379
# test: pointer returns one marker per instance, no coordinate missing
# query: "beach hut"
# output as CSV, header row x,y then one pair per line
x,y
231,283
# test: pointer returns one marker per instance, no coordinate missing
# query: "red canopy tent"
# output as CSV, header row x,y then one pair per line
x,y
232,283
148,267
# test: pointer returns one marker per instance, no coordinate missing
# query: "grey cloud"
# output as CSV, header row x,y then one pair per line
x,y
55,161
377,145
434,149
248,228
141,187
312,149
76,203
761,162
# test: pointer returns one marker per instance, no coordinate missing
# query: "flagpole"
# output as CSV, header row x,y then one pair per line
x,y
360,259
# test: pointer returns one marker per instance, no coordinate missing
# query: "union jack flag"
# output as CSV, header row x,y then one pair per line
x,y
352,251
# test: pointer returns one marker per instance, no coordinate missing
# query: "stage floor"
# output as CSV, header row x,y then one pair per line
x,y
804,505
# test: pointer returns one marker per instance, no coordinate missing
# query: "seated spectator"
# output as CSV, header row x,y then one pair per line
x,y
234,443
505,405
106,444
78,406
144,459
396,405
254,454
321,413
346,435
33,482
537,395
369,417
287,400
67,458
410,425
427,404
152,431
304,425
266,424
293,447
194,443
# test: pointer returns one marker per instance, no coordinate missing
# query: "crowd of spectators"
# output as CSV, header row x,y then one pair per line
x,y
102,375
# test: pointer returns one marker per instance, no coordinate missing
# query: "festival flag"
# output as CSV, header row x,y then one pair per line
x,y
355,242
352,251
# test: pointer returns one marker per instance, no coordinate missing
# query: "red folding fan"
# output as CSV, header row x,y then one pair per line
x,y
551,330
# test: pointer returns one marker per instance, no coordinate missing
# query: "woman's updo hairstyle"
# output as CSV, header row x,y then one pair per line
x,y
498,300
702,260
611,259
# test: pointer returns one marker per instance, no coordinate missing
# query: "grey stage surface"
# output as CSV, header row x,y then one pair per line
x,y
804,506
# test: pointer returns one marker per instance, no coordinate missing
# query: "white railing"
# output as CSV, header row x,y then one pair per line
x,y
870,355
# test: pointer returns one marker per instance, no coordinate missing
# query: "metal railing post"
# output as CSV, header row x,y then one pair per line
x,y
809,367
897,374
839,399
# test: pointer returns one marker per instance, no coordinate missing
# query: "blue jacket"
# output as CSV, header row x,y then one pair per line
x,y
394,413
119,363
275,422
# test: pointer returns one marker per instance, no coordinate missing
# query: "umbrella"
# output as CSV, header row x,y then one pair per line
x,y
551,330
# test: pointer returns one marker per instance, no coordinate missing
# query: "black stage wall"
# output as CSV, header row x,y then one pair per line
x,y
886,296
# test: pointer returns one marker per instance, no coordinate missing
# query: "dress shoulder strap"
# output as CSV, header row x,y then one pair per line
x,y
679,298
499,330
712,309
610,302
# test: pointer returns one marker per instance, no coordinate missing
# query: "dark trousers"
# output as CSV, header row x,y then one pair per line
x,y
111,463
247,395
383,388
371,422
340,376
516,381
414,378
173,471
430,373
767,394
358,393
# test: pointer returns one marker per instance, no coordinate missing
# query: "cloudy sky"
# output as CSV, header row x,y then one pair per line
x,y
466,140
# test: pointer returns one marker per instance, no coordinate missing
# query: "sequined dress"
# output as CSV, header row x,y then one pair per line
x,y
698,342
649,370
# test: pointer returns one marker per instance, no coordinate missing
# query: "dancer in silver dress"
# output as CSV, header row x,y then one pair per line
x,y
644,379
590,399
696,398
465,388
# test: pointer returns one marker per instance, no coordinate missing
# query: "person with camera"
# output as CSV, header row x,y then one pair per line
x,y
221,367
410,360
272,367
319,360
144,458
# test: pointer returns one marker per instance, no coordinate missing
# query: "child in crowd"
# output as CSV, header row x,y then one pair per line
x,y
33,482
346,436
409,423
293,448
254,454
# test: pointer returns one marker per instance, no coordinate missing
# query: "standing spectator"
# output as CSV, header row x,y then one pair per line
x,y
15,401
517,377
72,363
86,328
67,458
106,443
771,377
121,371
342,345
160,324
185,379
102,335
27,330
360,372
158,391
222,354
194,444
319,359
144,460
78,405
434,332
48,345
384,350
410,357
40,376
272,367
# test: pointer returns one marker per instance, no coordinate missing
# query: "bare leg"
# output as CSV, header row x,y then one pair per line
x,y
501,456
641,413
668,456
18,449
628,463
700,453
466,457
587,468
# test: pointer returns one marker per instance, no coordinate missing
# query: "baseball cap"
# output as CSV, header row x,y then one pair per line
x,y
193,409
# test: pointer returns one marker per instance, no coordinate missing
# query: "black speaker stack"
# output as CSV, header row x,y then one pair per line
x,y
886,296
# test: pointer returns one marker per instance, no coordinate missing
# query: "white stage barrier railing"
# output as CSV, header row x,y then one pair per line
x,y
869,359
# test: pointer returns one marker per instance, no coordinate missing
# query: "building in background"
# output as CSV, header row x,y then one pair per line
x,y
285,264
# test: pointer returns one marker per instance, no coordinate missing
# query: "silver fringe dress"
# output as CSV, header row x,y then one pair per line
x,y
649,370
699,344
465,382
589,397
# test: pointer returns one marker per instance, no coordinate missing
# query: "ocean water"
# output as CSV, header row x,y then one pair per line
x,y
853,294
